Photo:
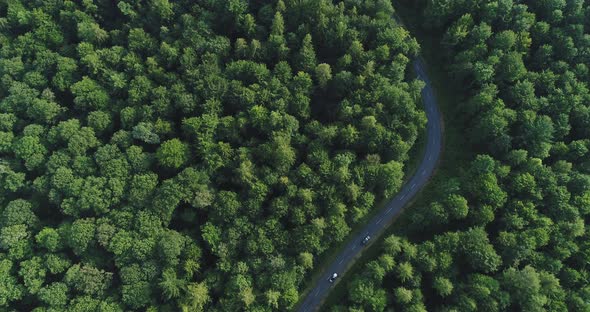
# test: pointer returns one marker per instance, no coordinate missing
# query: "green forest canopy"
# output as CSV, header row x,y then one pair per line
x,y
509,234
192,155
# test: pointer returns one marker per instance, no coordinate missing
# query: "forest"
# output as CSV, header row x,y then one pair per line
x,y
508,233
176,155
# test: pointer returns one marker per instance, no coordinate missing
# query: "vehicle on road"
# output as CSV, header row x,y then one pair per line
x,y
366,239
333,277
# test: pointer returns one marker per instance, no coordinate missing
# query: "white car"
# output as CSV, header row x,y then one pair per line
x,y
366,239
333,277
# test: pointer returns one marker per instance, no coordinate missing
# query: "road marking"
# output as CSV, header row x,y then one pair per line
x,y
429,157
316,292
403,196
389,210
423,172
413,186
340,262
379,220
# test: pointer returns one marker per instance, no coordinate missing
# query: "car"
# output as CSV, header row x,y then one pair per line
x,y
333,277
366,239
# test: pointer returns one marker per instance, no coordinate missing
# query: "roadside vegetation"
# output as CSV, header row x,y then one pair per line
x,y
508,233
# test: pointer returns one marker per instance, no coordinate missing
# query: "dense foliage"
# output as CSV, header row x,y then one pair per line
x,y
509,234
192,155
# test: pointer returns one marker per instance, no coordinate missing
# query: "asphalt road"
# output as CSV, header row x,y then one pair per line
x,y
378,224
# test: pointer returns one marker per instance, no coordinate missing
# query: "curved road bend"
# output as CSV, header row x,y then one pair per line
x,y
378,224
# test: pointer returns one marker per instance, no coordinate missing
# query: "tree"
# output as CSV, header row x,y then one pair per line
x,y
11,181
170,247
249,25
33,274
137,295
278,25
10,289
139,161
142,188
162,8
170,285
511,67
390,178
459,30
247,296
457,206
55,294
478,251
14,239
272,298
504,41
19,212
443,286
49,238
403,295
405,271
31,151
483,182
80,234
172,154
227,204
537,134
99,121
323,74
523,94
6,139
44,111
91,32
392,245
525,184
139,89
364,293
88,94
306,58
241,48
278,152
524,286
57,264
140,42
197,297
88,280
278,47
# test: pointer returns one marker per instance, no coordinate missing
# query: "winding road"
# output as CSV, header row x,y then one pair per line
x,y
379,223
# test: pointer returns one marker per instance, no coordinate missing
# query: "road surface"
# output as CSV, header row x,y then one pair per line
x,y
378,224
